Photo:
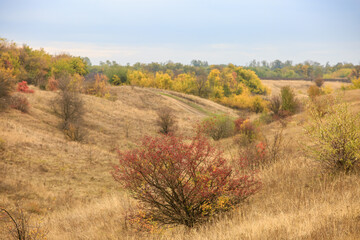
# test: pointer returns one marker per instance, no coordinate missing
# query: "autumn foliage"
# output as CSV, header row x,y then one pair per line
x,y
19,102
182,183
23,87
217,126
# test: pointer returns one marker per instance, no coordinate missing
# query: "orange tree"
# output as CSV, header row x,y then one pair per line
x,y
181,182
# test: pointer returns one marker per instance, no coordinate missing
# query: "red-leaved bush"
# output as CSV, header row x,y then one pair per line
x,y
254,155
247,128
23,87
182,183
52,84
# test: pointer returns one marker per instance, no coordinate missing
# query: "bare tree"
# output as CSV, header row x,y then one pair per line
x,y
69,106
166,120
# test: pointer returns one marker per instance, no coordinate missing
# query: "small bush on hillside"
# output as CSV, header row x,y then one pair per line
x,y
265,118
69,106
99,86
20,227
166,121
335,136
52,84
182,183
19,102
218,126
355,83
284,105
319,82
288,100
6,84
247,129
275,105
275,147
314,91
321,105
258,105
23,87
253,155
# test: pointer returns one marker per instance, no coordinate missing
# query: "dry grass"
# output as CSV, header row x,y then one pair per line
x,y
300,87
68,186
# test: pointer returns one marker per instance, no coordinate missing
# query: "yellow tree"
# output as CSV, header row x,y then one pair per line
x,y
139,78
163,80
185,83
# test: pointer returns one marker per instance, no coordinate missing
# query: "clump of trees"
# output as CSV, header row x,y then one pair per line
x,y
306,70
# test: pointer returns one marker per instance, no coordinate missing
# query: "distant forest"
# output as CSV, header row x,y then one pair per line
x,y
231,85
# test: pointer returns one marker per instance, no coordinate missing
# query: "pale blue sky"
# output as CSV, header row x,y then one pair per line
x,y
128,31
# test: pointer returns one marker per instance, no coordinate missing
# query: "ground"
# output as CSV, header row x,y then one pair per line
x,y
67,186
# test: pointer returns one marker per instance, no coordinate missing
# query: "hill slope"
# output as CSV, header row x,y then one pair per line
x,y
69,187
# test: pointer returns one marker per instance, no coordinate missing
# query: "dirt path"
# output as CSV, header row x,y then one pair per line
x,y
184,106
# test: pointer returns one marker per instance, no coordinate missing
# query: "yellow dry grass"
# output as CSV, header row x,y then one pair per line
x,y
300,86
68,186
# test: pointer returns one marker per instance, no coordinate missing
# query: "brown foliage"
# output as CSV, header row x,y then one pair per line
x,y
275,104
319,82
69,106
166,121
19,101
314,91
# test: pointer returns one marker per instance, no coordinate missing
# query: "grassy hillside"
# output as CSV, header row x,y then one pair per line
x,y
68,186
300,87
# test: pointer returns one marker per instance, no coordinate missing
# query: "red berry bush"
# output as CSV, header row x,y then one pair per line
x,y
23,87
180,182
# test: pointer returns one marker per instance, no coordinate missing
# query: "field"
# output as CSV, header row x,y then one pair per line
x,y
299,86
67,187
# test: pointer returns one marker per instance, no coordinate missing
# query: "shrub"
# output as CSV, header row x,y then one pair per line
x,y
19,102
321,105
23,87
253,155
166,120
355,83
20,227
99,86
258,105
69,106
52,84
314,91
6,84
182,183
245,127
265,118
275,147
288,100
335,137
73,131
6,87
218,126
275,104
319,82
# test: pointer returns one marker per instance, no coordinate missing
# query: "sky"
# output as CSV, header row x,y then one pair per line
x,y
220,32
